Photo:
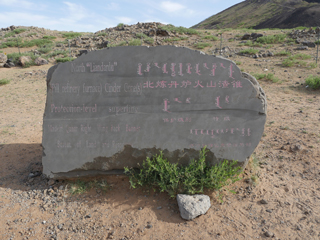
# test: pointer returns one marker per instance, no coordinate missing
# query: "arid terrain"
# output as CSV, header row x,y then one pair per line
x,y
278,196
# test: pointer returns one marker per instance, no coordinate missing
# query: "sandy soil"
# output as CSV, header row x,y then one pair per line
x,y
285,175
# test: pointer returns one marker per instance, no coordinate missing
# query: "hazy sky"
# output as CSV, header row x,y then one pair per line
x,y
91,16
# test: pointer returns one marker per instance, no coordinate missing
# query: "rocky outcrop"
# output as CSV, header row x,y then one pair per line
x,y
3,59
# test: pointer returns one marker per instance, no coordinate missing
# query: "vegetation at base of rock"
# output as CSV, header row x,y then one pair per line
x,y
4,81
65,59
80,186
317,42
202,45
180,30
70,35
15,58
313,82
250,51
267,76
172,178
135,42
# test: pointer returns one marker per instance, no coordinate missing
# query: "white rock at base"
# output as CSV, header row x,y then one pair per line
x,y
192,206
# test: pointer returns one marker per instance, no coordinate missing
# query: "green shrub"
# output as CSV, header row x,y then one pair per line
x,y
268,76
149,40
317,42
80,186
313,82
57,52
278,38
283,53
135,42
101,34
15,57
295,60
4,81
19,30
120,25
180,30
45,49
49,37
211,37
250,51
70,35
123,43
31,34
169,177
202,45
141,35
9,34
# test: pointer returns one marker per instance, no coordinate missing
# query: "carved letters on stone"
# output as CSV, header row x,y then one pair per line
x,y
112,108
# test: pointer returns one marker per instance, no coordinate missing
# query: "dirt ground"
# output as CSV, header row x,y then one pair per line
x,y
285,174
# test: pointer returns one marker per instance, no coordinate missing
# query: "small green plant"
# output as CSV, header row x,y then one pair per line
x,y
58,52
238,63
313,82
80,186
101,34
135,42
49,37
180,30
141,35
295,60
19,30
278,38
9,34
211,37
202,45
45,49
169,177
123,43
268,76
31,34
4,81
120,25
15,58
283,53
70,35
317,42
250,51
149,40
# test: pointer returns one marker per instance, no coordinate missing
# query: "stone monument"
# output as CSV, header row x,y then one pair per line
x,y
112,108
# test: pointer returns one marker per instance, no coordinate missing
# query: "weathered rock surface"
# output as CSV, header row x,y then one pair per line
x,y
40,61
192,206
3,59
23,60
112,108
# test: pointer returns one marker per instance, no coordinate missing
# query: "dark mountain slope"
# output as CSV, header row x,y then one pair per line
x,y
266,14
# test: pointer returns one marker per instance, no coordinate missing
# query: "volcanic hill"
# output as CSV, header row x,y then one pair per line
x,y
258,14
